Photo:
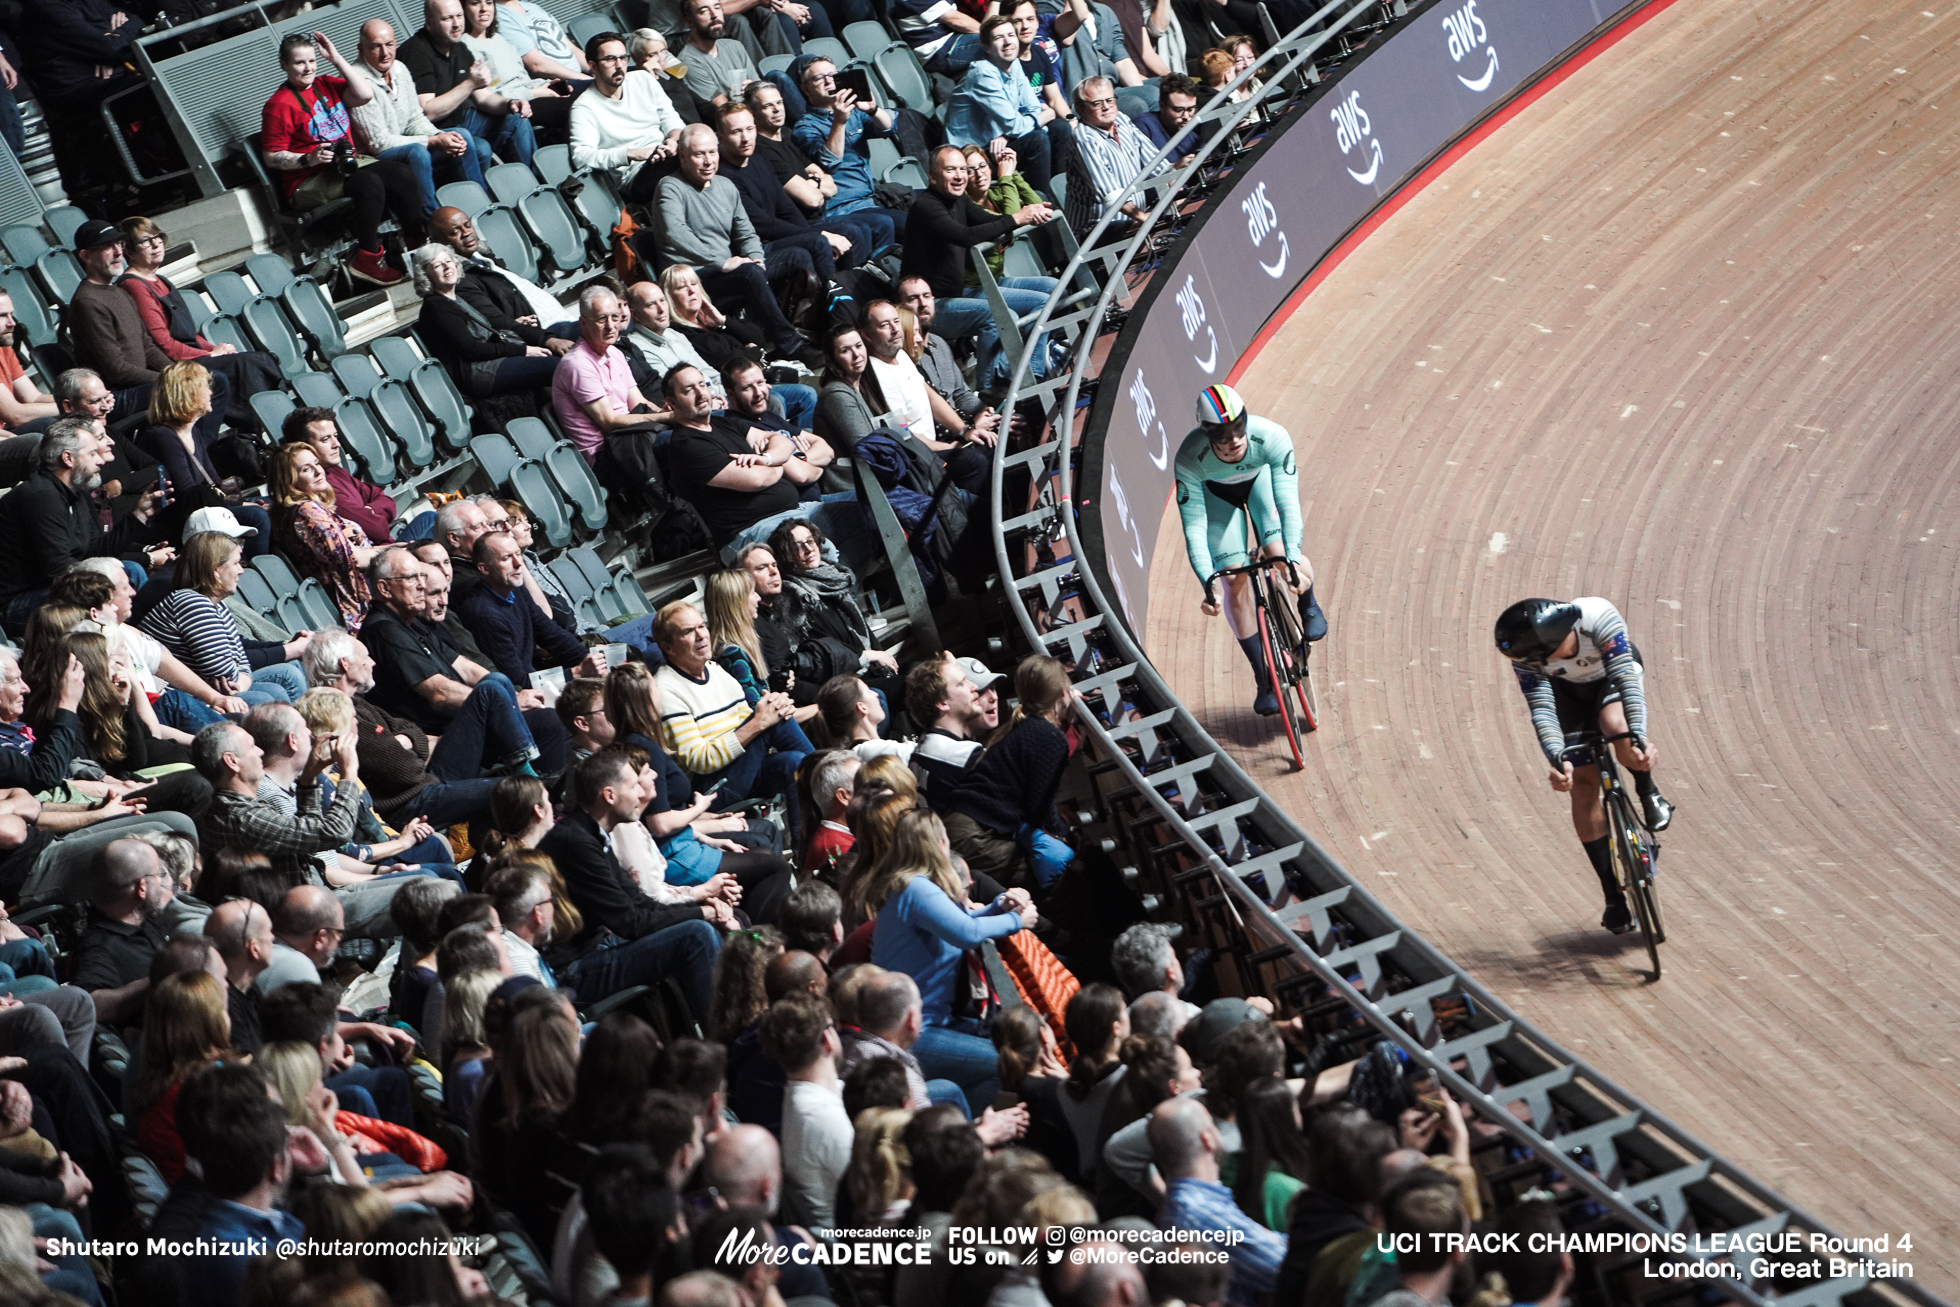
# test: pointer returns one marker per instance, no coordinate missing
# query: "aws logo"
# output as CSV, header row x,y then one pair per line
x,y
1351,128
1261,221
1466,32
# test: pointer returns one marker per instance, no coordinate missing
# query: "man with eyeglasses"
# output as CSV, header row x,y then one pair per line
x,y
1177,105
624,120
419,675
835,133
1110,153
241,931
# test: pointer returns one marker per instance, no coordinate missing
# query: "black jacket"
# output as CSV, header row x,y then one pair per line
x,y
608,898
46,766
47,526
938,232
491,293
65,41
457,337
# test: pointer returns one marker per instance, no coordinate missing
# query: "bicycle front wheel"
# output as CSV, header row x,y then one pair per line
x,y
1286,630
1276,670
1634,877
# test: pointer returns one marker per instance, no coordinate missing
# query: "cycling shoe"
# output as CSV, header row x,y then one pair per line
x,y
1312,620
1658,810
1267,704
1617,918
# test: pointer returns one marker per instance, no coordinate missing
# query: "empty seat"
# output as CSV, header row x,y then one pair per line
x,y
24,243
556,231
599,208
906,172
775,63
402,417
229,292
278,574
254,590
884,154
436,392
496,456
500,229
357,373
585,600
318,606
317,390
312,311
580,488
510,182
467,196
60,273
226,330
270,273
360,433
618,605
537,490
828,47
905,75
268,324
271,408
532,438
866,39
396,356
64,221
553,162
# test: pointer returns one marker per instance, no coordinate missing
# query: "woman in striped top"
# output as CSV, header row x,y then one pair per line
x,y
193,623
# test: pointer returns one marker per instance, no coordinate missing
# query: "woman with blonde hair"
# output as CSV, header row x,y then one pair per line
x,y
872,817
465,1049
733,605
186,1027
924,928
330,712
179,436
877,1185
1003,821
193,623
719,339
321,544
357,1147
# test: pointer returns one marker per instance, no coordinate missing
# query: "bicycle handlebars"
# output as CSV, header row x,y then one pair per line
x,y
1589,739
1260,564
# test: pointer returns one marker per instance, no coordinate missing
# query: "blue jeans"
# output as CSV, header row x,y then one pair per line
x,y
971,315
945,1091
506,133
836,515
487,730
71,1274
959,1053
415,157
523,372
260,521
279,683
449,803
868,231
386,1086
175,708
799,404
953,59
420,527
1048,857
22,958
766,767
686,952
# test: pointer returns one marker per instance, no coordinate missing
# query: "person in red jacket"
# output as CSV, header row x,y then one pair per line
x,y
308,139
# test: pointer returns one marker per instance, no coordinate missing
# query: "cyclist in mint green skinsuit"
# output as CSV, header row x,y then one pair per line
x,y
1232,464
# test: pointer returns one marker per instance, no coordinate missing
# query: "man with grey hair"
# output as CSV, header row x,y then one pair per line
x,y
418,673
50,520
459,525
890,1020
1158,1015
1110,153
1145,962
407,775
704,225
268,799
593,392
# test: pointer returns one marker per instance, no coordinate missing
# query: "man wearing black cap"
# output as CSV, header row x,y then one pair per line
x,y
106,334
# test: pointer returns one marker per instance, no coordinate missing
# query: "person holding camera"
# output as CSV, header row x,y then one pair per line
x,y
307,138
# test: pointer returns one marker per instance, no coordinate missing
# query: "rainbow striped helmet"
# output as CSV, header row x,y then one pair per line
x,y
1218,405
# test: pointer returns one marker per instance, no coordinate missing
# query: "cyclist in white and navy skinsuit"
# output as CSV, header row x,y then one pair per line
x,y
1580,671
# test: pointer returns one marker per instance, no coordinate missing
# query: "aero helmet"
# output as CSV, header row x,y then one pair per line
x,y
1531,630
1218,405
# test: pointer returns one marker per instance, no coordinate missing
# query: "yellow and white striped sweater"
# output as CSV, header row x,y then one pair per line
x,y
699,717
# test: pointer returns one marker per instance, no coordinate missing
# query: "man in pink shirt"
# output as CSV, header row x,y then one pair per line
x,y
593,391
362,503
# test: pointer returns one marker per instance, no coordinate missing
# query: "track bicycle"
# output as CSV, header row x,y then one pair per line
x,y
1284,643
1634,849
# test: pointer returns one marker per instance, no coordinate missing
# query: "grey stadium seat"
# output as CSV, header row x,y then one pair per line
x,y
361,434
557,233
500,230
394,403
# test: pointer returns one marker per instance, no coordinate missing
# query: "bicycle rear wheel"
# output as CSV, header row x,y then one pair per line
x,y
1277,671
1286,629
1634,879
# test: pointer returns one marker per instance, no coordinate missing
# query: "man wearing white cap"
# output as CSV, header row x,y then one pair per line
x,y
241,523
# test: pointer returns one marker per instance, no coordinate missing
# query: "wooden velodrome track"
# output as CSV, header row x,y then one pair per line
x,y
1680,333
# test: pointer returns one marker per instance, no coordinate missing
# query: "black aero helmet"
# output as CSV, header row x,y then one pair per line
x,y
1533,629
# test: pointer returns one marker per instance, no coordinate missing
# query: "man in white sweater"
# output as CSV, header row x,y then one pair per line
x,y
393,126
623,121
799,1033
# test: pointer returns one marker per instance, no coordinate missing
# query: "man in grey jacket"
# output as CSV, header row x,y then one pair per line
x,y
393,126
704,225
